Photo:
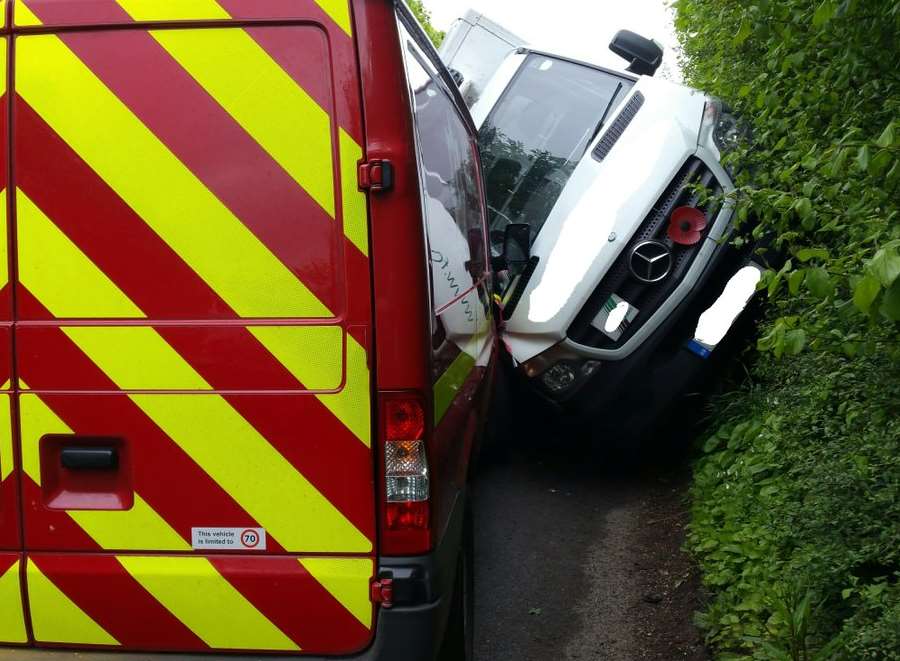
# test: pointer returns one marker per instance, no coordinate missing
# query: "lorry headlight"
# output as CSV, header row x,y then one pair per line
x,y
560,371
726,130
560,378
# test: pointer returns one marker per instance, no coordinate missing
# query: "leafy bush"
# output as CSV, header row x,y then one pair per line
x,y
421,12
796,519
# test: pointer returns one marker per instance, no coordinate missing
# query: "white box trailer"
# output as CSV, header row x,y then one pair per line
x,y
474,48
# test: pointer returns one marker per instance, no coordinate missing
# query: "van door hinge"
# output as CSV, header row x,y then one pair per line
x,y
376,175
383,592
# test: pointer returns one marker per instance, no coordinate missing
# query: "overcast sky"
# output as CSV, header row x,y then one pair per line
x,y
578,28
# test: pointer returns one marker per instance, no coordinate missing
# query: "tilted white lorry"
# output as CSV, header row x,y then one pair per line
x,y
609,216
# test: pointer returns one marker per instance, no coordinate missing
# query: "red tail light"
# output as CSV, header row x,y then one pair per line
x,y
406,484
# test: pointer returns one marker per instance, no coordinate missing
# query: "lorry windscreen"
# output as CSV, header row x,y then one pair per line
x,y
537,134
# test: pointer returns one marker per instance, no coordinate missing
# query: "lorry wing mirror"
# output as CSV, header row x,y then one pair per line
x,y
457,77
517,246
645,55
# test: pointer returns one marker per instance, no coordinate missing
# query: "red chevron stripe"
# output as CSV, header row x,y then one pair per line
x,y
115,240
52,530
297,63
7,561
295,602
203,136
166,477
343,51
9,512
123,608
81,12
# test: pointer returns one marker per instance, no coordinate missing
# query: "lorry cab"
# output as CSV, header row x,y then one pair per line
x,y
246,334
611,188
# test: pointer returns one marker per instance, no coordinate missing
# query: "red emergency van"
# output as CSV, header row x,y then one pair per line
x,y
246,339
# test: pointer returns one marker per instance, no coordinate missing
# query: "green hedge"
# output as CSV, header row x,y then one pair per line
x,y
796,515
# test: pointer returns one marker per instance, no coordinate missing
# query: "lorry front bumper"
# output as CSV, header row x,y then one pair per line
x,y
635,391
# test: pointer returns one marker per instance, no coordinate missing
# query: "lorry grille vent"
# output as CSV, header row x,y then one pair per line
x,y
611,137
694,186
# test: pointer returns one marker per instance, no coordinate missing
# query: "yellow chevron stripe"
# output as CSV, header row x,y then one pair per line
x,y
137,529
313,354
6,442
169,198
12,619
252,471
260,479
356,214
23,16
194,592
59,274
352,405
263,99
174,10
339,10
166,370
160,366
447,387
57,619
347,580
224,263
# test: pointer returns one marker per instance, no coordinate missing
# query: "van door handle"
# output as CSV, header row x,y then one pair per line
x,y
96,458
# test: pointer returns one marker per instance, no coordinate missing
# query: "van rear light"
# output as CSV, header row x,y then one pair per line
x,y
405,471
406,525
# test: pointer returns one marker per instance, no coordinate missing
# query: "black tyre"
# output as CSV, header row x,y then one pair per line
x,y
459,639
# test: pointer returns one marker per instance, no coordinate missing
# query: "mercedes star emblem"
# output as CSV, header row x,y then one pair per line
x,y
650,261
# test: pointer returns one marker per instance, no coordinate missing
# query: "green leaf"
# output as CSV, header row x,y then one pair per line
x,y
743,33
824,13
885,266
887,137
865,293
803,207
808,254
881,162
795,281
890,305
862,158
819,283
794,341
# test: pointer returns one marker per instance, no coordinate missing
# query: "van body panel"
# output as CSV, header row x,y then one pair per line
x,y
453,214
10,527
193,312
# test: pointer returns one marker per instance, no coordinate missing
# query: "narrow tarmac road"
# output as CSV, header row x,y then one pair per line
x,y
578,561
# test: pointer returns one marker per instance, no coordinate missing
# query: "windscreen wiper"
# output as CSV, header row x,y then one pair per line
x,y
602,121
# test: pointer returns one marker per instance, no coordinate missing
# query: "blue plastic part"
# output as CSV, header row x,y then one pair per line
x,y
695,347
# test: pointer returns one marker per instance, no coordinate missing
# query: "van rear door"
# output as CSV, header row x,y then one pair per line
x,y
192,326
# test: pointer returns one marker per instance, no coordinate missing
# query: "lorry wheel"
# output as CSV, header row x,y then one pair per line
x,y
459,639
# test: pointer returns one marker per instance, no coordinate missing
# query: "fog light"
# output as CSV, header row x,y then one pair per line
x,y
559,378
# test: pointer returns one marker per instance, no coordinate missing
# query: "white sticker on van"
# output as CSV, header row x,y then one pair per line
x,y
229,539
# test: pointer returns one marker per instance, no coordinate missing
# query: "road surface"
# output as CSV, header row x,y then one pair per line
x,y
577,560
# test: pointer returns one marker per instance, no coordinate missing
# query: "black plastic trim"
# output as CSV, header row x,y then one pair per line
x,y
618,127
